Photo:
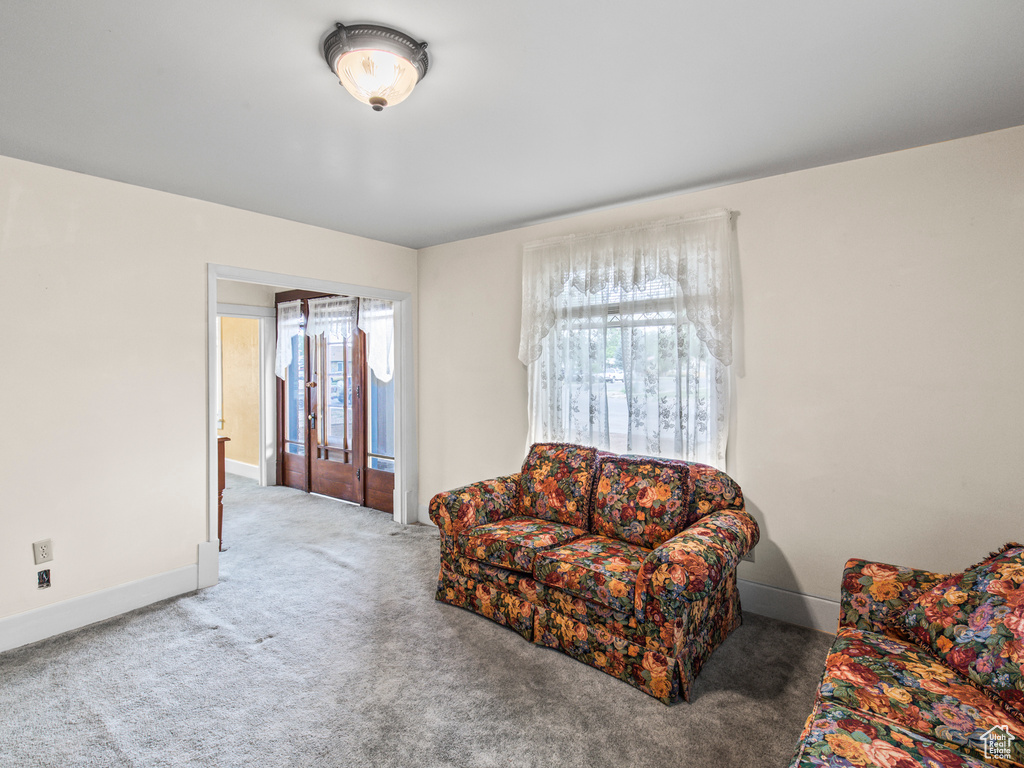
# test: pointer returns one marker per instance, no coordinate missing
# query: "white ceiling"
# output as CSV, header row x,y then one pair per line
x,y
532,109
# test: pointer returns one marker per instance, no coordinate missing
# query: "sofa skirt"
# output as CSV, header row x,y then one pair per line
x,y
652,672
666,673
480,597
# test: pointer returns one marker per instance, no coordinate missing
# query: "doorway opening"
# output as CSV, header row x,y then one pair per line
x,y
403,451
335,397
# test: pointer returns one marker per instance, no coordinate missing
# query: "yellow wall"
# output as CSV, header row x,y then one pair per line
x,y
240,388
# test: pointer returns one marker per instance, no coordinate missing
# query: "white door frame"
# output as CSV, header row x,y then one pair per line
x,y
406,450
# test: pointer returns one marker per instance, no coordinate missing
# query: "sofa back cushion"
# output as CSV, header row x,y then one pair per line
x,y
641,500
555,483
974,622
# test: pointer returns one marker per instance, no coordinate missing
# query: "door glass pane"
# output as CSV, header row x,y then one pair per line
x,y
382,424
385,465
295,399
338,416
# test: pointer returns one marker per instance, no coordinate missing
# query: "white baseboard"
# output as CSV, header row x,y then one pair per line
x,y
234,467
424,515
40,623
792,607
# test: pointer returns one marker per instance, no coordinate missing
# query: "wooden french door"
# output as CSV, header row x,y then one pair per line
x,y
336,431
323,420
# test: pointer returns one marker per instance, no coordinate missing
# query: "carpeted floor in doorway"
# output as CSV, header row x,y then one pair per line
x,y
322,646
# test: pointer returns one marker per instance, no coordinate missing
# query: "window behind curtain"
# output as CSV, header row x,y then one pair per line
x,y
627,336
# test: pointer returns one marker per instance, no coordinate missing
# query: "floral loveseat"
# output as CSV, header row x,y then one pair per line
x,y
925,669
625,563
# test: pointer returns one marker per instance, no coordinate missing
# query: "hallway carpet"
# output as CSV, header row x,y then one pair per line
x,y
322,646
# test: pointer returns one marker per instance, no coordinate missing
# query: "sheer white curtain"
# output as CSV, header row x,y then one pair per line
x,y
333,315
628,338
377,321
339,316
289,325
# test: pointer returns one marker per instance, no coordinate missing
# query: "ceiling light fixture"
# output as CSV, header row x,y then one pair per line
x,y
378,65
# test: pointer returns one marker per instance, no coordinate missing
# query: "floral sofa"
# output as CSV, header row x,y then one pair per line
x,y
625,563
925,669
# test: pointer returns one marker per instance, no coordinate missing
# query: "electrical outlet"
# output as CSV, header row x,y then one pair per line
x,y
749,557
43,579
43,551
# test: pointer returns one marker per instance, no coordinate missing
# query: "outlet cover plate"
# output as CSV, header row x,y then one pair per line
x,y
43,551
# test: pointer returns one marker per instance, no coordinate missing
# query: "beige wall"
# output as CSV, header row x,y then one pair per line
x,y
879,409
104,439
240,388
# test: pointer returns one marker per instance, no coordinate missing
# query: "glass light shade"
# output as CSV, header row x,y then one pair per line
x,y
378,65
378,78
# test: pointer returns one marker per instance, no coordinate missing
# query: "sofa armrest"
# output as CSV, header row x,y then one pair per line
x,y
692,564
872,592
484,502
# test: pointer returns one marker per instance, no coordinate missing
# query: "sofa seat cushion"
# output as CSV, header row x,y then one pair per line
x,y
974,622
624,625
903,684
595,568
640,500
841,736
516,583
514,543
555,483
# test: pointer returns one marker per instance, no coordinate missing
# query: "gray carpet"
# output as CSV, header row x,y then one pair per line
x,y
323,646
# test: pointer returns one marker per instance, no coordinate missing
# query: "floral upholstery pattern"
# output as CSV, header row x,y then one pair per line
x,y
555,483
644,502
595,568
472,505
524,551
713,491
619,623
652,672
974,622
838,736
888,699
487,600
692,564
704,625
514,543
518,584
896,681
871,592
